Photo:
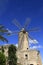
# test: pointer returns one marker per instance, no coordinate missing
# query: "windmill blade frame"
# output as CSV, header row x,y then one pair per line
x,y
15,22
30,37
13,33
33,30
26,23
33,40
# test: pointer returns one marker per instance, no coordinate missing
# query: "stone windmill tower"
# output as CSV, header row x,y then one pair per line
x,y
23,40
25,55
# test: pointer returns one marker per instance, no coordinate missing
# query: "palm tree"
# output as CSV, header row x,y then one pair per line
x,y
2,59
12,59
2,32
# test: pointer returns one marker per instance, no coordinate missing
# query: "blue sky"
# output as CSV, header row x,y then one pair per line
x,y
21,10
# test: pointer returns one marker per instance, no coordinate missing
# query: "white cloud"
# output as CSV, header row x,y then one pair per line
x,y
42,62
33,41
35,47
16,45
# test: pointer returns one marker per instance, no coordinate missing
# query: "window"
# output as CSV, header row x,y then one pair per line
x,y
31,64
26,56
27,48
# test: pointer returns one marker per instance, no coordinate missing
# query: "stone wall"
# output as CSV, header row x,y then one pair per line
x,y
28,57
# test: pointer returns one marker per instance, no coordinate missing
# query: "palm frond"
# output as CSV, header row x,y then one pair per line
x,y
3,30
3,38
1,26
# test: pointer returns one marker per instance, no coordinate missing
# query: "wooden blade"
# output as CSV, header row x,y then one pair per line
x,y
33,29
27,22
17,23
13,33
30,37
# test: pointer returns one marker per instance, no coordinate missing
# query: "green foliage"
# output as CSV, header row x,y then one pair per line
x,y
2,48
3,31
12,55
2,59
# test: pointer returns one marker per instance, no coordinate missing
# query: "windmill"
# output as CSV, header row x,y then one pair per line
x,y
23,34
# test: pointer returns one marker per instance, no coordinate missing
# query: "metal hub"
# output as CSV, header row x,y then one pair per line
x,y
24,31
